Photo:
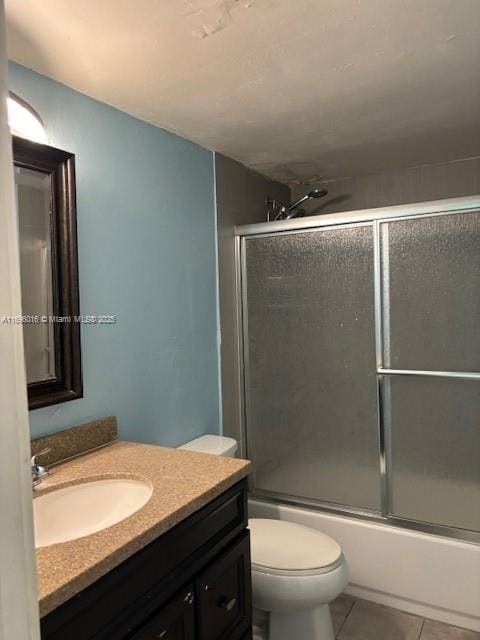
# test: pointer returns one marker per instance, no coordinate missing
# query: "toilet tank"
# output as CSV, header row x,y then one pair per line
x,y
216,445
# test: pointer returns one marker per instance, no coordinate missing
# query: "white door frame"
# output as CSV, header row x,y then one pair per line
x,y
18,599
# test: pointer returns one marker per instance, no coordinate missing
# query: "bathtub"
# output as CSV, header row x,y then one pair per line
x,y
427,575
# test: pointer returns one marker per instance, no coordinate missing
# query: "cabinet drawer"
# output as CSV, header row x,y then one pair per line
x,y
175,621
223,594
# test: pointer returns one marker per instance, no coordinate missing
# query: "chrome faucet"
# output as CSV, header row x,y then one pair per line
x,y
38,472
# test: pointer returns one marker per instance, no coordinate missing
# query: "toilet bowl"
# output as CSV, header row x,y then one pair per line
x,y
296,571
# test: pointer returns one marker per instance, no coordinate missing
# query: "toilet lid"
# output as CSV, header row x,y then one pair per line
x,y
287,546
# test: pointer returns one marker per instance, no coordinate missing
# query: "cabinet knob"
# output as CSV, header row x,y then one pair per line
x,y
226,604
162,634
189,598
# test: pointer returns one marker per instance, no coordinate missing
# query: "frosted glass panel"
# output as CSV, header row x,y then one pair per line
x,y
431,270
434,450
311,381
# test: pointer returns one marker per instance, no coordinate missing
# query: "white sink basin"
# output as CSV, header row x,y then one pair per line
x,y
82,509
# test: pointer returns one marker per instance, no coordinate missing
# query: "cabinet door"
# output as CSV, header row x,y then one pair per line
x,y
175,621
223,595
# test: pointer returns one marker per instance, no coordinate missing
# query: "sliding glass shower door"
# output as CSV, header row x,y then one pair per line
x,y
361,351
431,359
312,424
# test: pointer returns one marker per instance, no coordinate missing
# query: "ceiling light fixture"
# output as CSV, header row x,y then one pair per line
x,y
23,120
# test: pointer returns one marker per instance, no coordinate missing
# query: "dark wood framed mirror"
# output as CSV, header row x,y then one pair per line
x,y
46,203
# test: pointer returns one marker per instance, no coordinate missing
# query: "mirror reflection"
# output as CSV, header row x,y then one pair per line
x,y
33,190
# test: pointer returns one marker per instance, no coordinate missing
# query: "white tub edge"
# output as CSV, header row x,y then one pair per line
x,y
427,575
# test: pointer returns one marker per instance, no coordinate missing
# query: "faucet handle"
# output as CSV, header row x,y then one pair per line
x,y
38,472
37,455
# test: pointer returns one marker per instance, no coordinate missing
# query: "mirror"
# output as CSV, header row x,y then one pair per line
x,y
45,191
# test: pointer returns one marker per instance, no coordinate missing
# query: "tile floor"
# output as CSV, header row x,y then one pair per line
x,y
355,619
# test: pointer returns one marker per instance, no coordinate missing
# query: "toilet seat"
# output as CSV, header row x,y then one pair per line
x,y
306,572
290,549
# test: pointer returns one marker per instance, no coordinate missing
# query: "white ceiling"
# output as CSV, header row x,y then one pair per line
x,y
297,89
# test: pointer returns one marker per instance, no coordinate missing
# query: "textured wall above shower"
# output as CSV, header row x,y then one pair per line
x,y
414,184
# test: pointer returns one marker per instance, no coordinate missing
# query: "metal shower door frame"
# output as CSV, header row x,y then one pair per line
x,y
373,218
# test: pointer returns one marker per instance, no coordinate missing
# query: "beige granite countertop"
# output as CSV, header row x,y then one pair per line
x,y
182,482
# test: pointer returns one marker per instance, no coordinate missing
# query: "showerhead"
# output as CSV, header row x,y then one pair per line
x,y
277,211
318,193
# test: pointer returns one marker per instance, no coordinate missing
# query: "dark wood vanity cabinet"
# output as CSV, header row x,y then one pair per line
x,y
175,621
223,593
192,583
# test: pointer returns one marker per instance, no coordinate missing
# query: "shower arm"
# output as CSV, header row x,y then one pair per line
x,y
281,211
297,202
283,208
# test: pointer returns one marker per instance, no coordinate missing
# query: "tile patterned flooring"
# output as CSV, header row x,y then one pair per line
x,y
355,619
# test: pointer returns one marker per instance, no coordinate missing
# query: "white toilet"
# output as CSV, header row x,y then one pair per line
x,y
296,571
216,445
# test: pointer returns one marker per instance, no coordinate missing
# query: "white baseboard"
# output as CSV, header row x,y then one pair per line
x,y
417,608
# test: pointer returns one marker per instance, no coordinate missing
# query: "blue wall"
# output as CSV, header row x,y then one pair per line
x,y
146,234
